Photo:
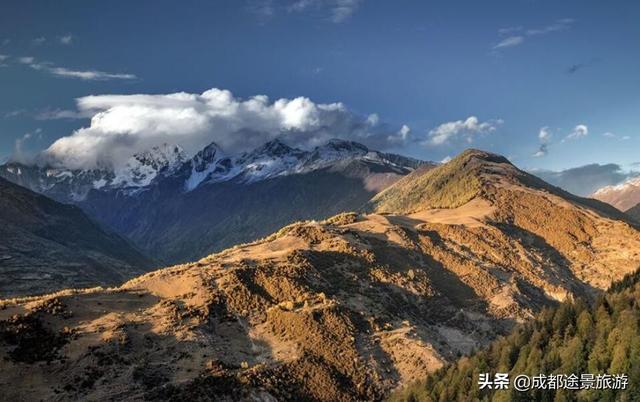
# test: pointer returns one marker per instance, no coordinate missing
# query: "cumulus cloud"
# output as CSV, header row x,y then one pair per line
x,y
585,180
87,75
373,119
124,124
544,135
466,129
579,131
401,137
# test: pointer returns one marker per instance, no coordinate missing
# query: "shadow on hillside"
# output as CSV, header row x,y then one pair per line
x,y
558,271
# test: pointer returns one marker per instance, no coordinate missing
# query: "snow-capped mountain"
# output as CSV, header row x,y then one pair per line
x,y
208,166
275,158
142,168
178,208
73,185
622,196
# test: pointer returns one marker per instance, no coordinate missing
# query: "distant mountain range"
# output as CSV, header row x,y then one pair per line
x,y
177,208
634,212
623,196
46,246
348,308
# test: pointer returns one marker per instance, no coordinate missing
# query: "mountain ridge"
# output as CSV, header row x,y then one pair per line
x,y
47,246
271,159
347,308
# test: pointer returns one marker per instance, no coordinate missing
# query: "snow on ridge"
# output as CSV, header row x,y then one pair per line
x,y
210,165
632,182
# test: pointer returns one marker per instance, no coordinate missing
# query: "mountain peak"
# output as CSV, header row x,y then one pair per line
x,y
484,156
143,167
274,147
447,186
206,156
345,145
161,156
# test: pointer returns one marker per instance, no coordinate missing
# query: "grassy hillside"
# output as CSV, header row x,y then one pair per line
x,y
572,338
46,246
447,186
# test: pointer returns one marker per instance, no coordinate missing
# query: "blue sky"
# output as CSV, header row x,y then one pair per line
x,y
551,84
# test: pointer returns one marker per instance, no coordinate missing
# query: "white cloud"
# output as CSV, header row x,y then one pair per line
x,y
466,129
509,42
373,119
559,25
579,131
124,124
400,137
611,135
263,9
509,30
20,154
90,75
66,39
339,10
515,40
544,135
87,75
39,41
543,150
55,114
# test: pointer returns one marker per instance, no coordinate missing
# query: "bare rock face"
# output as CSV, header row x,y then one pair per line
x,y
344,309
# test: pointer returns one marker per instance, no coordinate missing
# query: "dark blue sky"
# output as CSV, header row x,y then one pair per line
x,y
518,66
